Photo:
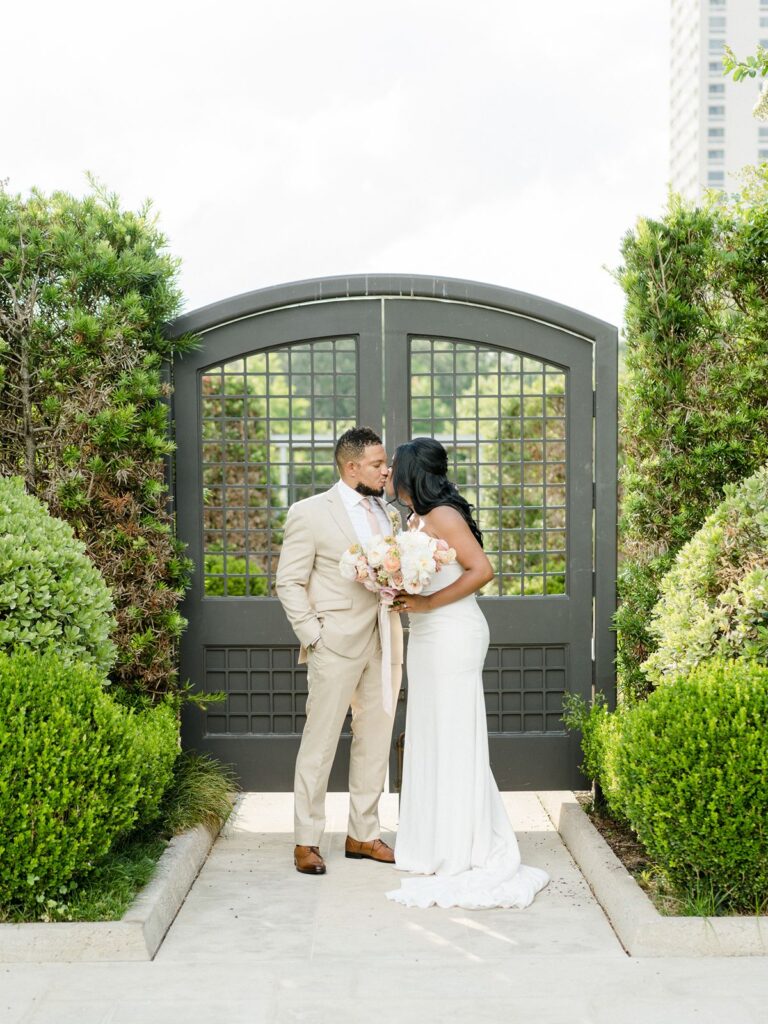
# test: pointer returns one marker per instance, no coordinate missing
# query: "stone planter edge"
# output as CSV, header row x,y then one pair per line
x,y
137,935
641,929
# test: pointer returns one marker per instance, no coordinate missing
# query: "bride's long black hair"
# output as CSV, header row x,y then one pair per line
x,y
419,469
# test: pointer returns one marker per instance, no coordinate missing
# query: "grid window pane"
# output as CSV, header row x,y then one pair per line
x,y
502,418
268,427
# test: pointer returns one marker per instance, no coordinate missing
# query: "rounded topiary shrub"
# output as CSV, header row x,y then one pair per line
x,y
691,770
714,599
51,594
76,769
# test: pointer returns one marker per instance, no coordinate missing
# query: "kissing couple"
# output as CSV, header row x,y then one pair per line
x,y
454,837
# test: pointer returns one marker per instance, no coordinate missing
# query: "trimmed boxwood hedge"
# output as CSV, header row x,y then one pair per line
x,y
77,770
691,764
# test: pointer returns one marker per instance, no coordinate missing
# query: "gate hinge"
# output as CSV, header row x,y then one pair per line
x,y
594,403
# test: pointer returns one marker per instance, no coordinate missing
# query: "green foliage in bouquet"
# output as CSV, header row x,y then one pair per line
x,y
691,767
714,600
51,594
77,771
86,291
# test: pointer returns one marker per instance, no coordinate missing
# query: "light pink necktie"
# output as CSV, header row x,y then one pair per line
x,y
387,697
369,514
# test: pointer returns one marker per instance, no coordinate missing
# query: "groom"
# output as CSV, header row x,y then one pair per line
x,y
336,622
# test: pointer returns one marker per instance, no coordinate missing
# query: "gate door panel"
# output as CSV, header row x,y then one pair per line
x,y
505,381
255,432
511,400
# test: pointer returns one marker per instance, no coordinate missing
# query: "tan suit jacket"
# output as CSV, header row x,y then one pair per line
x,y
317,599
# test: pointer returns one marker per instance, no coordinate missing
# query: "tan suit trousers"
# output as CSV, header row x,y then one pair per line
x,y
335,684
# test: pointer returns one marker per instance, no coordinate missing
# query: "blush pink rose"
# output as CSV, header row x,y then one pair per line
x,y
391,562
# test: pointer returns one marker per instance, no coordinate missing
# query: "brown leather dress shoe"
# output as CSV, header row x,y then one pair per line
x,y
308,860
375,849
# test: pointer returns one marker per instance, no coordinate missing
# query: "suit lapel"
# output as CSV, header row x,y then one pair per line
x,y
340,516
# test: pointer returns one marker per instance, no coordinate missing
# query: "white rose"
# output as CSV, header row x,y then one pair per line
x,y
375,550
348,564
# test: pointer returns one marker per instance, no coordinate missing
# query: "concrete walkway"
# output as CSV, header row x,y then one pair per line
x,y
257,942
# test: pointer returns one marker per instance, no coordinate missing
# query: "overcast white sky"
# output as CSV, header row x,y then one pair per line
x,y
499,140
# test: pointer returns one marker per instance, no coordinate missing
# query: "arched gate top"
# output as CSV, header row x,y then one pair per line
x,y
416,286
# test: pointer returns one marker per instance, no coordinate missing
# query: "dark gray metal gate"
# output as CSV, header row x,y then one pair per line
x,y
521,391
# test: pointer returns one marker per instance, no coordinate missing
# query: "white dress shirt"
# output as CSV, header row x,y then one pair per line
x,y
358,517
356,512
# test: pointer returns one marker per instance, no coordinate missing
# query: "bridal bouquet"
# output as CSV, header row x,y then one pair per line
x,y
406,560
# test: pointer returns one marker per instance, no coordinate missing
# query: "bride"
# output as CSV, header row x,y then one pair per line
x,y
453,825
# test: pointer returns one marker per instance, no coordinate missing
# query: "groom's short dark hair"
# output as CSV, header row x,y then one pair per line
x,y
350,446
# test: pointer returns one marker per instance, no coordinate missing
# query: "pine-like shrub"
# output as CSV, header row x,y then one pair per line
x,y
51,594
691,768
87,290
75,771
714,599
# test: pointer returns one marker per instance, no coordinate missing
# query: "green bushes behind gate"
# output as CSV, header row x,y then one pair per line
x,y
76,771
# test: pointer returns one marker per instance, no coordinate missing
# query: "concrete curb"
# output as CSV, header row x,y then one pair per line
x,y
641,929
137,935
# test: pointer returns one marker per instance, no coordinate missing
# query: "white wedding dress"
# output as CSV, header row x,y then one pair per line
x,y
453,827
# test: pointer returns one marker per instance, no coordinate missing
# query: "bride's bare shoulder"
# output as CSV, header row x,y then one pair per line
x,y
443,517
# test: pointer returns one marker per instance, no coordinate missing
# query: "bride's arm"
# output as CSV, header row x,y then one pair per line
x,y
447,523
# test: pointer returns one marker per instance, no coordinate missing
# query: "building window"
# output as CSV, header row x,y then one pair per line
x,y
716,178
717,24
716,89
715,67
721,3
716,45
716,154
763,21
762,132
718,111
762,154
716,133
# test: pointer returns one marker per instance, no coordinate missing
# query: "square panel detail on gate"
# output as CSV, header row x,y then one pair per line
x,y
266,691
524,687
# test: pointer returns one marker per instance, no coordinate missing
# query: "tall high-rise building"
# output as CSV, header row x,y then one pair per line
x,y
712,131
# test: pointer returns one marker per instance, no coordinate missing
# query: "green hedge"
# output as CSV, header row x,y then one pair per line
x,y
694,398
103,288
51,594
714,599
156,746
77,770
600,733
691,766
